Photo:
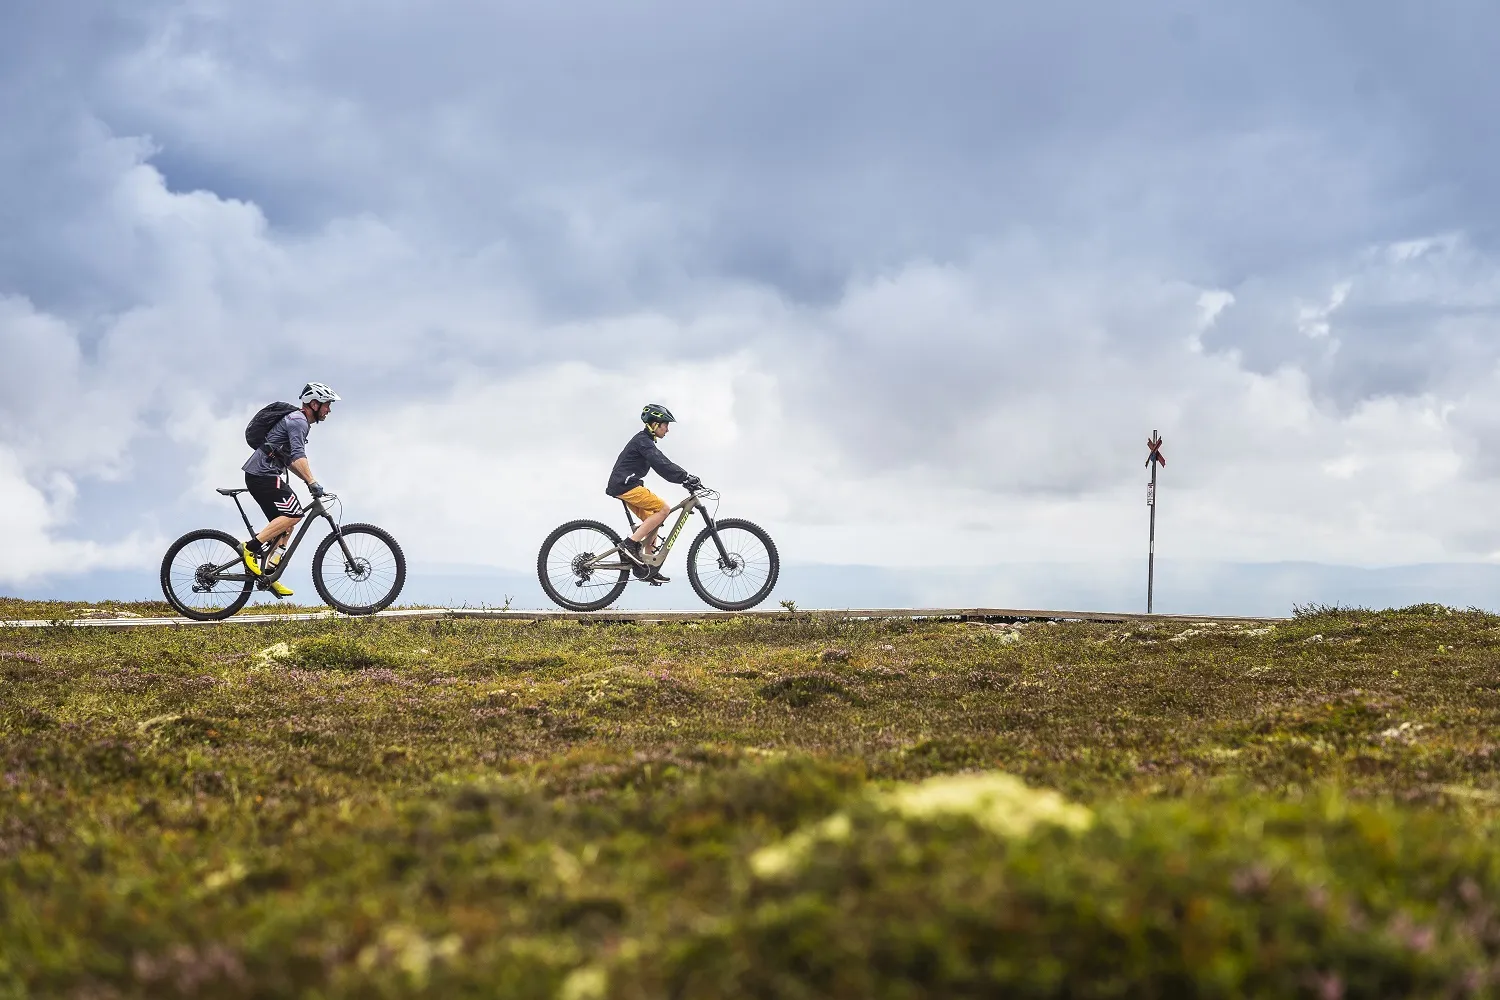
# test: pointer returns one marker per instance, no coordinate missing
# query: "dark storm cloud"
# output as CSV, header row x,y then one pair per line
x,y
798,144
1405,320
51,56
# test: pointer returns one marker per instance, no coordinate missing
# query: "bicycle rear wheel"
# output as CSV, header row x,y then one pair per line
x,y
748,575
565,566
191,580
367,583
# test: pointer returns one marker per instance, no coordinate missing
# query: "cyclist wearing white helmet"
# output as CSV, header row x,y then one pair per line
x,y
285,448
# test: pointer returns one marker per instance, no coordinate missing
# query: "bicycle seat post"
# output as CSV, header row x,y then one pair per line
x,y
243,516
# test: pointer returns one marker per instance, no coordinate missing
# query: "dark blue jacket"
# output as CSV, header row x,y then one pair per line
x,y
640,455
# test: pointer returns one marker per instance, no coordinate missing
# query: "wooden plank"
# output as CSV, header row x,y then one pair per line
x,y
495,614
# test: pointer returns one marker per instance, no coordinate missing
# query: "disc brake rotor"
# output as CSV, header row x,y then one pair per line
x,y
733,566
359,571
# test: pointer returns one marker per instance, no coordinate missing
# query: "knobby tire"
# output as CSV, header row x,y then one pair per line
x,y
610,596
331,543
705,537
186,610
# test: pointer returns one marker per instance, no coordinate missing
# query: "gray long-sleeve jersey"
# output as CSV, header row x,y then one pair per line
x,y
285,443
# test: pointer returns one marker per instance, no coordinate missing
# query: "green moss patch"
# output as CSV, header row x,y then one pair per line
x,y
794,807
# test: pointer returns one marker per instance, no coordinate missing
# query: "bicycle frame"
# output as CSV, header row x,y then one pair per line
x,y
655,560
314,510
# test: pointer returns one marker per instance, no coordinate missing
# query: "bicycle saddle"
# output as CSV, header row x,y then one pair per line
x,y
230,493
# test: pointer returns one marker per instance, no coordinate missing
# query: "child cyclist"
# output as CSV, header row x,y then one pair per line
x,y
640,455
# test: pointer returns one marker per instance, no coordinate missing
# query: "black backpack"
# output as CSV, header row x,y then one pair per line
x,y
266,417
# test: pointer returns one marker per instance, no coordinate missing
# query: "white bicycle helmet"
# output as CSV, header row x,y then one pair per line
x,y
317,392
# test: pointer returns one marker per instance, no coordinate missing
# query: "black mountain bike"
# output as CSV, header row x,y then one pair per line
x,y
732,564
358,569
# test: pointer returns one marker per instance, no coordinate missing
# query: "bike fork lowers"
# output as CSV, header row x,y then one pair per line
x,y
349,562
713,529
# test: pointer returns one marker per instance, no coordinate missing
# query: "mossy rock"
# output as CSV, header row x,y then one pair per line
x,y
1140,900
801,690
337,652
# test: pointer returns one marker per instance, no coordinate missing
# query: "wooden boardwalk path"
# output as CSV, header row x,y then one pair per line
x,y
419,614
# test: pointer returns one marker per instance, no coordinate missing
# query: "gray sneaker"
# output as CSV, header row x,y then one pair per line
x,y
631,549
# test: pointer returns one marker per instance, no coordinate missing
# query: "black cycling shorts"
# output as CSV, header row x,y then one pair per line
x,y
275,496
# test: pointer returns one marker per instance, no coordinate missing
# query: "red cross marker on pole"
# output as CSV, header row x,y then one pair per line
x,y
1153,458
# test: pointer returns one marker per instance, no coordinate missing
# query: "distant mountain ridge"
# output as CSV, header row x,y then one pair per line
x,y
1183,587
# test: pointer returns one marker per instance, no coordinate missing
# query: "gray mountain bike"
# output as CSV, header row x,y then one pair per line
x,y
732,564
358,569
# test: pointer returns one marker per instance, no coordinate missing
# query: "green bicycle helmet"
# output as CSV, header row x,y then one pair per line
x,y
655,413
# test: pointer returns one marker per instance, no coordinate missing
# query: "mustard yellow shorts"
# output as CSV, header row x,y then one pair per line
x,y
642,502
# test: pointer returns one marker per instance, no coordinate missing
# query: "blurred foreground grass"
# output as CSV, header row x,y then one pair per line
x,y
783,808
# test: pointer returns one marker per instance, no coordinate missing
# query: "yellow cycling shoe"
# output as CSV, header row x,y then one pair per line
x,y
276,586
251,563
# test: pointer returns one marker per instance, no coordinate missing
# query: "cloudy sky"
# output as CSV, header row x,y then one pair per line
x,y
918,279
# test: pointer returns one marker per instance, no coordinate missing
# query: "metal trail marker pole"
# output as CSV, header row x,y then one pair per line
x,y
1153,459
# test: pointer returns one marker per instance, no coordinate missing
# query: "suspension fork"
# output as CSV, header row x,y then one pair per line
x,y
713,529
337,533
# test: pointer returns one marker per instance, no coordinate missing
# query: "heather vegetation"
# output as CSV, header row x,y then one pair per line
x,y
751,808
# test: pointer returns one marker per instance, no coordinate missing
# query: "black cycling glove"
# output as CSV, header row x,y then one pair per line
x,y
692,483
316,489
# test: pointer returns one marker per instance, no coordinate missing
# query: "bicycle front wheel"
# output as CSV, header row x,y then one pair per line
x,y
566,566
744,575
192,575
368,578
